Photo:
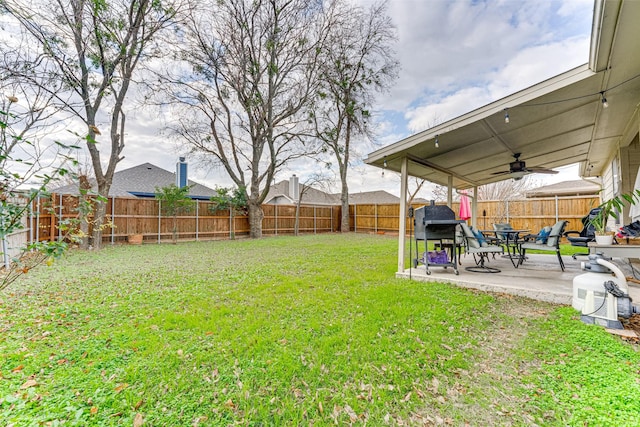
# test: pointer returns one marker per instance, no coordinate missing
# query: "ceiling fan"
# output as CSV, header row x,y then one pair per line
x,y
518,168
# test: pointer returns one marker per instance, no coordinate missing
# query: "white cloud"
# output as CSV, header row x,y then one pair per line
x,y
455,56
528,67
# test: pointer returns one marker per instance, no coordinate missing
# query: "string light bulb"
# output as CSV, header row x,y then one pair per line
x,y
605,103
437,142
506,116
384,165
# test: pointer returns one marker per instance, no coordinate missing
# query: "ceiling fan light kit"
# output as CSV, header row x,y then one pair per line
x,y
518,169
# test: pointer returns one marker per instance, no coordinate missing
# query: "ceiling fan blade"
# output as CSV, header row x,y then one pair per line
x,y
542,170
501,173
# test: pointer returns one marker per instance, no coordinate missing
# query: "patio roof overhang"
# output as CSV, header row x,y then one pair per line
x,y
558,122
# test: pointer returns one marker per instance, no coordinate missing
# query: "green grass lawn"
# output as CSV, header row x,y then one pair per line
x,y
313,330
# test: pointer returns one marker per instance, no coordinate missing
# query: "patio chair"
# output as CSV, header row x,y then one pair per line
x,y
552,243
583,237
476,245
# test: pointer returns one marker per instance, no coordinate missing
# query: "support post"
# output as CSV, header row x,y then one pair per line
x,y
450,191
402,229
474,208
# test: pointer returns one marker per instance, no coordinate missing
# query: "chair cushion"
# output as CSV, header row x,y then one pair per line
x,y
580,241
472,242
556,232
543,235
480,237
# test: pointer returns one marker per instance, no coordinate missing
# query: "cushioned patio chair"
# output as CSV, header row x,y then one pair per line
x,y
476,245
552,243
586,235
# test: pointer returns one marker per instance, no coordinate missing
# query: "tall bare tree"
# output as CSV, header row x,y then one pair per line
x,y
94,47
253,67
358,63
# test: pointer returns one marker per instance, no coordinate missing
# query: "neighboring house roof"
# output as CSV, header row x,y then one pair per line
x,y
279,193
372,197
141,181
579,187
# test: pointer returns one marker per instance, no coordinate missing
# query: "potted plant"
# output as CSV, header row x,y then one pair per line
x,y
609,209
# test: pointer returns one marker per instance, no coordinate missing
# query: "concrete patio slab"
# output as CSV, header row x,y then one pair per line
x,y
539,278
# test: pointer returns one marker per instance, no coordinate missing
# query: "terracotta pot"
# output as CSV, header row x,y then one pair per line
x,y
134,239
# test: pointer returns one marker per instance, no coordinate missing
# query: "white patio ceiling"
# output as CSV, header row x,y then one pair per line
x,y
555,123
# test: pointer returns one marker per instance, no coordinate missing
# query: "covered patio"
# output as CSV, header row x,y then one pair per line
x,y
538,278
589,115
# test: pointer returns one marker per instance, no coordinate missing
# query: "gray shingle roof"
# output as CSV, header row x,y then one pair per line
x,y
372,197
141,179
579,187
279,193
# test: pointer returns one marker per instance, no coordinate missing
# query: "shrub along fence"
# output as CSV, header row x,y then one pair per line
x,y
132,216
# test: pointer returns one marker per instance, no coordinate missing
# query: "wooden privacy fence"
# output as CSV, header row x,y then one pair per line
x,y
131,216
527,214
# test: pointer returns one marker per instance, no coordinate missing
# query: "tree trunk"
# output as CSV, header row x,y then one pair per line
x,y
174,235
296,226
98,222
256,214
84,213
344,199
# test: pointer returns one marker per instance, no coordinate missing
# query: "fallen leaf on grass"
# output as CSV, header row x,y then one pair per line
x,y
121,387
93,410
138,420
17,368
139,404
352,414
28,384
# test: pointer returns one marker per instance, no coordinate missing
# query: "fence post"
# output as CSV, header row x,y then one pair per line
x,y
5,250
315,217
113,219
557,213
331,207
197,218
159,219
355,218
230,224
275,214
59,218
38,218
31,221
507,209
375,224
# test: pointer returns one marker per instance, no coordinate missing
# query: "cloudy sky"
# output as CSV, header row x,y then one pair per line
x,y
455,56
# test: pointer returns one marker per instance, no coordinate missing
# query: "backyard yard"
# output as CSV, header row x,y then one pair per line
x,y
311,330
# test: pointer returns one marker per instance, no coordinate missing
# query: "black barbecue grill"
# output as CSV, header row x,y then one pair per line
x,y
436,223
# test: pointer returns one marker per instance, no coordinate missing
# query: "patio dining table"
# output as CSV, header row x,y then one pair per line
x,y
511,240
